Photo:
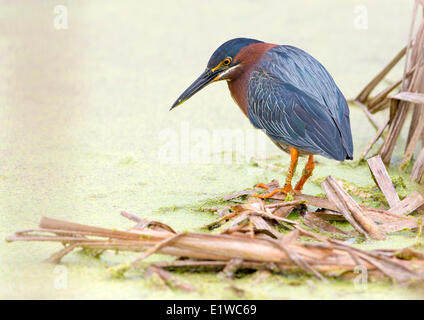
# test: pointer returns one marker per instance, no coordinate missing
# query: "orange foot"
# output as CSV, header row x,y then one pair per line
x,y
297,190
286,190
262,185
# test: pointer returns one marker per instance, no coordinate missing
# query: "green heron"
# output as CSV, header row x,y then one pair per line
x,y
289,95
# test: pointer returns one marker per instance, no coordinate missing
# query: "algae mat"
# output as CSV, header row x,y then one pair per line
x,y
84,120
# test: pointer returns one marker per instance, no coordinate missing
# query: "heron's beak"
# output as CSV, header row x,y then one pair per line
x,y
205,78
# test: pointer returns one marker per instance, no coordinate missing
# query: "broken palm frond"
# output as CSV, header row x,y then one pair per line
x,y
418,168
258,218
408,205
351,210
312,220
143,223
328,210
383,181
229,252
411,96
255,211
339,206
329,215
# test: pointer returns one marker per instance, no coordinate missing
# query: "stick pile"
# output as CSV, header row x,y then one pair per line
x,y
282,253
410,97
257,235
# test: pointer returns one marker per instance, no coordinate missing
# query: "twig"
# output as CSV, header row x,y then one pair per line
x,y
383,181
156,248
350,209
374,140
409,204
418,168
370,117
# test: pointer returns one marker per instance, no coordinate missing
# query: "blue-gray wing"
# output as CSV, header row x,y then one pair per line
x,y
291,116
299,70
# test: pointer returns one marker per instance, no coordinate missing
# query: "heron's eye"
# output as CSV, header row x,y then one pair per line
x,y
226,61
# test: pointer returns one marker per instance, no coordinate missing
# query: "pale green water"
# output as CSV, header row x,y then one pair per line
x,y
82,111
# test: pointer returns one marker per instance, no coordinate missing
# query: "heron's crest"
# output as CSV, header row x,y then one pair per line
x,y
229,49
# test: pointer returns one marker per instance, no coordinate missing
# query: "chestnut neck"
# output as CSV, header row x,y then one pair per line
x,y
248,57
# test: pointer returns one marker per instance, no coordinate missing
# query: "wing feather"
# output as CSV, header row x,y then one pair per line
x,y
296,101
290,116
293,66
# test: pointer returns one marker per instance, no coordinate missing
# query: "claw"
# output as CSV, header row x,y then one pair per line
x,y
262,185
286,190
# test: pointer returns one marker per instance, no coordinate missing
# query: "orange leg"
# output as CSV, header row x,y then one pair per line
x,y
294,155
307,172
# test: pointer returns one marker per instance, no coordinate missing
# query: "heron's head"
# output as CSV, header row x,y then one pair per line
x,y
224,64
